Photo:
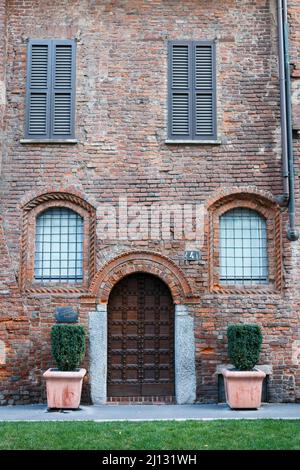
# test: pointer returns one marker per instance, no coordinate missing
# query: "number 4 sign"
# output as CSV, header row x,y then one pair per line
x,y
192,255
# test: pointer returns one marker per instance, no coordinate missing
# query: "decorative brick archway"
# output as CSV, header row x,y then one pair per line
x,y
141,261
31,209
173,276
263,203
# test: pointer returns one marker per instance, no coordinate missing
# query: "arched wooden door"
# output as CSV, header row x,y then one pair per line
x,y
140,338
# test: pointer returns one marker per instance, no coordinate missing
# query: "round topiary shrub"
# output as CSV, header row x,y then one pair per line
x,y
68,346
244,345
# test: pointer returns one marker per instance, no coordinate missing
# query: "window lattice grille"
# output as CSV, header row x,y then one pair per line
x,y
59,246
243,248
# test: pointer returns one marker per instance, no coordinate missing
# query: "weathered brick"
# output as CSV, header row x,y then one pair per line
x,y
121,108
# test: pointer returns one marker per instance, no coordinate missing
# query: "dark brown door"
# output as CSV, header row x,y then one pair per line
x,y
140,338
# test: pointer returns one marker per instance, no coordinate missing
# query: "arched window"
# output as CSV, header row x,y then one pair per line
x,y
59,246
243,247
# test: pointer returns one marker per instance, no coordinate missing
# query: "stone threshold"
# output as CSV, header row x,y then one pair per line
x,y
153,400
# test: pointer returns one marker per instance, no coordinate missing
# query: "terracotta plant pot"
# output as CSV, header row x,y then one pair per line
x,y
243,388
64,388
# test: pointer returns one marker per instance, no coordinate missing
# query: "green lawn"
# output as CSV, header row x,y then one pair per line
x,y
168,435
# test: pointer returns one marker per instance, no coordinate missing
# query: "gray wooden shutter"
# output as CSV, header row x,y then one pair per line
x,y
204,91
192,91
180,92
38,89
50,103
63,90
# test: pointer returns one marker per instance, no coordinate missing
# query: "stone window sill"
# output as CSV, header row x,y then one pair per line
x,y
48,141
236,289
55,290
194,142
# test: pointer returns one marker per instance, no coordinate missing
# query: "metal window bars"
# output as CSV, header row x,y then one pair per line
x,y
59,246
243,247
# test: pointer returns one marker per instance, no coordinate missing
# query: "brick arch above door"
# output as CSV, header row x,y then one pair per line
x,y
141,261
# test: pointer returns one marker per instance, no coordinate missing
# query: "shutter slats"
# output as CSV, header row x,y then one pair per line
x,y
180,63
203,66
62,103
39,66
38,114
204,105
37,100
204,115
63,66
62,114
204,110
180,114
50,89
180,83
192,113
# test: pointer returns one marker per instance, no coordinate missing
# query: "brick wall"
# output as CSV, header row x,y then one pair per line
x,y
121,111
294,267
3,34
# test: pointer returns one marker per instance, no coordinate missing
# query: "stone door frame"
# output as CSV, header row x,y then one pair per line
x,y
184,345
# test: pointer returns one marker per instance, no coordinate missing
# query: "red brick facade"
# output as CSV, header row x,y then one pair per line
x,y
121,128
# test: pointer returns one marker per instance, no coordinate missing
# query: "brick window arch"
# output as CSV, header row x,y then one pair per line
x,y
245,245
58,244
